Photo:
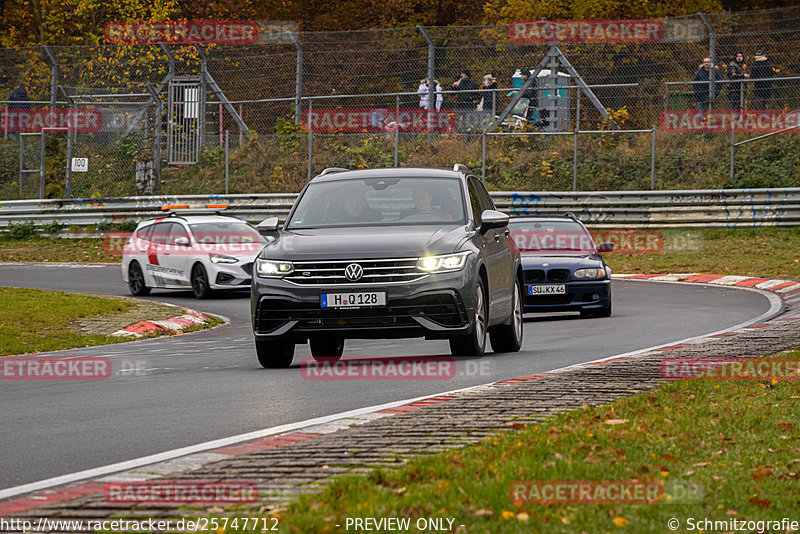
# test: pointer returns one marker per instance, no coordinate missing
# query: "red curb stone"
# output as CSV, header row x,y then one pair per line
x,y
726,334
673,347
762,325
792,292
264,444
144,327
751,282
41,499
703,278
781,286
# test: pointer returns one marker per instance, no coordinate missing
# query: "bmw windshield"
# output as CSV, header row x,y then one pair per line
x,y
379,201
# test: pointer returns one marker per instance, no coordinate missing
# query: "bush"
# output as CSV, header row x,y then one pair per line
x,y
23,230
51,228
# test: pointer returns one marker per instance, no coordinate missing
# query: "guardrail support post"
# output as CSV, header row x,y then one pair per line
x,y
653,159
310,137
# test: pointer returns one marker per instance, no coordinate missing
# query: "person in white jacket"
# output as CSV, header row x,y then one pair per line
x,y
422,91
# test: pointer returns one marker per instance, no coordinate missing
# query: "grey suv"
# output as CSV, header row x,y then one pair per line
x,y
387,253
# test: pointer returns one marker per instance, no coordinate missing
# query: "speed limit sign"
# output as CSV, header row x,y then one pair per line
x,y
80,164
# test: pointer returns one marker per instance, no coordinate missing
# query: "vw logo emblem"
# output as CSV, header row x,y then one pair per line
x,y
354,272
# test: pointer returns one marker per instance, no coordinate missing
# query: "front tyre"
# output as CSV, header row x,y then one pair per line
x,y
326,349
274,354
136,280
473,344
200,286
508,337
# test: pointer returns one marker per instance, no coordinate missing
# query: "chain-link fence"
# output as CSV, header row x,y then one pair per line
x,y
154,118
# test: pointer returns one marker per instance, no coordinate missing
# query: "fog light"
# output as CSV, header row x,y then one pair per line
x,y
595,296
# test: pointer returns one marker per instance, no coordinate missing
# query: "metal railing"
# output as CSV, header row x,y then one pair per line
x,y
643,209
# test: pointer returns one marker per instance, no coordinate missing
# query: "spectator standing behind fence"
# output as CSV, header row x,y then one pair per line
x,y
466,98
18,102
701,89
736,74
422,91
530,94
762,69
488,103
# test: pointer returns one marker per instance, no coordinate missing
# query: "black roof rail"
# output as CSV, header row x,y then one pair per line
x,y
330,170
462,169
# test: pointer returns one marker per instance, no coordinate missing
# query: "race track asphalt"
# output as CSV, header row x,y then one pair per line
x,y
208,385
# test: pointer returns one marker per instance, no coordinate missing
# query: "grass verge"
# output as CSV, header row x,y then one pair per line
x,y
36,320
54,249
723,451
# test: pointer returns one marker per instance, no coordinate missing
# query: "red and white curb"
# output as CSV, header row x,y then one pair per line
x,y
173,325
170,463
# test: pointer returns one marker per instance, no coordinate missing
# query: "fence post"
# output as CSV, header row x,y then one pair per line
x,y
483,157
53,76
712,54
21,161
575,160
298,78
68,183
157,111
41,165
653,159
227,160
431,77
310,137
733,149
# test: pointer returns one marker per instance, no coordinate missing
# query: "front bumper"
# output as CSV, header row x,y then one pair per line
x,y
580,296
230,276
436,306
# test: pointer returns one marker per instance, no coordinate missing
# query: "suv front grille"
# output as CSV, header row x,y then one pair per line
x,y
375,272
444,309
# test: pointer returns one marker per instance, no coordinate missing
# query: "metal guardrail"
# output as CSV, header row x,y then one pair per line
x,y
643,209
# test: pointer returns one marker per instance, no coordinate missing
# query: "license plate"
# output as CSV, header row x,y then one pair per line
x,y
353,300
560,289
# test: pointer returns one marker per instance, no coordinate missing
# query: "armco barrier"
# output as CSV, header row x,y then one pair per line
x,y
686,208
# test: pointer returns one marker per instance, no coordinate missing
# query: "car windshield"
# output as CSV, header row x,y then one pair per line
x,y
225,233
551,236
379,201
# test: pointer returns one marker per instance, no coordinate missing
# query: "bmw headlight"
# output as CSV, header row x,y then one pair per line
x,y
273,268
583,274
222,258
441,264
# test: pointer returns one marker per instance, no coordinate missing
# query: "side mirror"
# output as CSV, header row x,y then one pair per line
x,y
493,219
268,227
605,247
182,241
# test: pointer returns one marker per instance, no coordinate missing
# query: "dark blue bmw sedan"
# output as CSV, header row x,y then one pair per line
x,y
562,268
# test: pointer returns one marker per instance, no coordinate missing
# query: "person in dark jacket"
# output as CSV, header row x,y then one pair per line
x,y
466,98
762,69
736,74
18,102
701,92
488,103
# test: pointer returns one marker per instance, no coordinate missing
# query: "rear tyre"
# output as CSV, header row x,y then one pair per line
x,y
274,354
473,344
326,349
136,280
508,337
200,286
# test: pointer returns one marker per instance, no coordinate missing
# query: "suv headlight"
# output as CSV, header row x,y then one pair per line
x,y
271,268
222,258
441,264
582,274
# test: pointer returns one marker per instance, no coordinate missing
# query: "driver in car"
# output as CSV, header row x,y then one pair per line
x,y
423,201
